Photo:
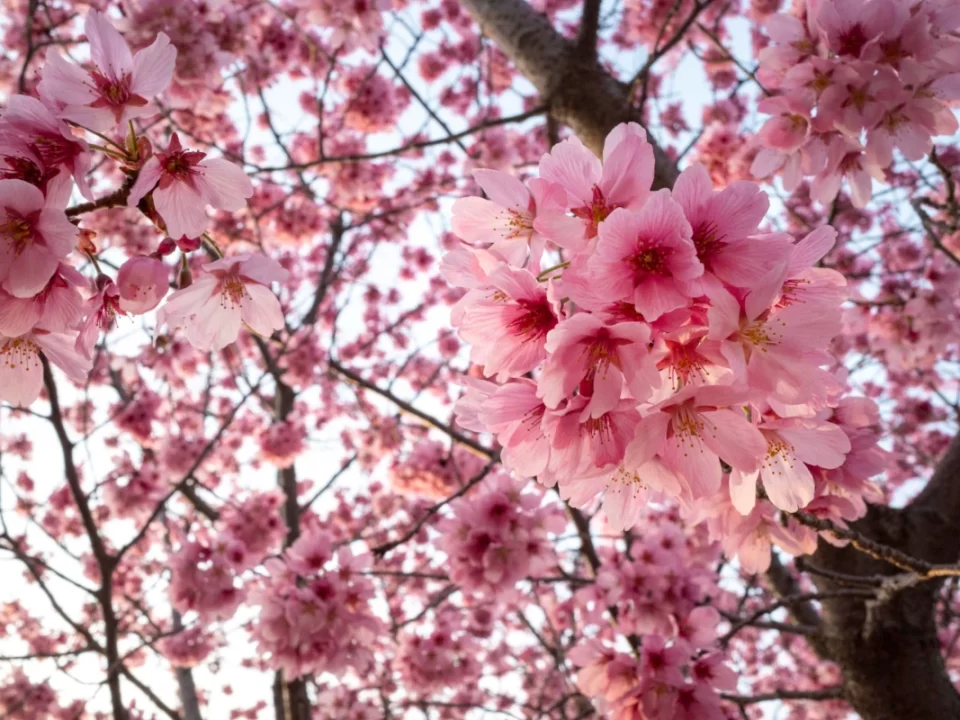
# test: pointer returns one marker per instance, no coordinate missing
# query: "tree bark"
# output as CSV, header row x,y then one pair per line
x,y
576,88
888,650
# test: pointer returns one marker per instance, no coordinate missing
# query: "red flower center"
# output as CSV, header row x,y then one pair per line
x,y
535,320
596,212
18,230
852,40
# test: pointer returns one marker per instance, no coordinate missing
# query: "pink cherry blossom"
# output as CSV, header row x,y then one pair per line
x,y
504,223
45,141
773,351
101,311
21,372
594,189
233,291
119,86
846,159
849,25
794,41
907,126
499,536
184,183
692,431
723,223
792,444
143,282
56,307
855,101
34,237
599,359
647,256
508,327
315,612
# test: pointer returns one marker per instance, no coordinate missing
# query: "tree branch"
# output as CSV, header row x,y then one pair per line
x,y
578,91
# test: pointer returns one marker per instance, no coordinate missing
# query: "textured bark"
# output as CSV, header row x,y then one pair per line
x,y
577,89
890,660
888,651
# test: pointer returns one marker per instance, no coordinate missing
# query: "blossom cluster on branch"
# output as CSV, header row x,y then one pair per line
x,y
678,351
42,305
856,80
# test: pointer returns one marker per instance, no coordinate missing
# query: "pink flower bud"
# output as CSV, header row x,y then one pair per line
x,y
143,282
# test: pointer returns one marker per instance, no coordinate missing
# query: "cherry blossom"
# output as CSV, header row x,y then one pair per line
x,y
121,85
142,283
231,291
184,183
34,237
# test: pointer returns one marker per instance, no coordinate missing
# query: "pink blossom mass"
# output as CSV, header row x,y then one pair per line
x,y
469,359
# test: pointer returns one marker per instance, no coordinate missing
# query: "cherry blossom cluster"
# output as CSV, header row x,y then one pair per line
x,y
432,469
282,442
499,535
204,576
21,699
679,678
255,522
446,657
187,648
206,570
660,592
676,351
47,307
315,613
133,490
857,79
664,579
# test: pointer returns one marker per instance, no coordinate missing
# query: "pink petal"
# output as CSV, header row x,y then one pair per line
x,y
607,387
766,162
693,189
697,466
503,189
20,196
574,167
787,480
108,50
563,230
260,268
812,248
817,443
31,271
18,315
147,179
59,234
743,490
64,83
59,349
656,296
627,166
745,262
734,439
93,118
21,374
224,185
651,434
260,309
624,501
153,67
182,210
215,326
